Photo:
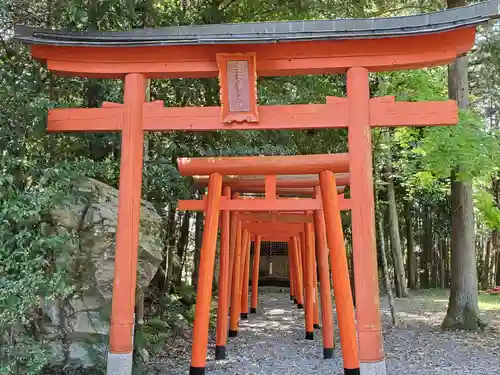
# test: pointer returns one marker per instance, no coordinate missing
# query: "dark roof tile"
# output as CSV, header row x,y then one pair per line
x,y
268,32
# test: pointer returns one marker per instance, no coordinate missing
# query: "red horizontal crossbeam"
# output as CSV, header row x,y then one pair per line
x,y
260,228
290,233
252,205
383,112
284,192
255,183
279,218
274,237
260,205
264,165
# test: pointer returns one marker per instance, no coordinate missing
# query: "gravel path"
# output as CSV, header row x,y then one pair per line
x,y
272,342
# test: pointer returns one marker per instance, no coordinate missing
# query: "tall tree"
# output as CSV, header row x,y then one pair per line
x,y
411,260
463,308
399,270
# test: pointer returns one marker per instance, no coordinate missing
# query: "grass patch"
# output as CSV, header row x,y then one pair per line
x,y
490,302
487,302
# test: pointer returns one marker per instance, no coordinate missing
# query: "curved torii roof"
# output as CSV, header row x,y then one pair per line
x,y
281,48
271,32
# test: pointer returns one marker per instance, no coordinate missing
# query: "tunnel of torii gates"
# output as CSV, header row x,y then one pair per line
x,y
238,54
297,221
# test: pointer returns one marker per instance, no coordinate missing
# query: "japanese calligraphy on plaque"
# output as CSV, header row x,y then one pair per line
x,y
238,87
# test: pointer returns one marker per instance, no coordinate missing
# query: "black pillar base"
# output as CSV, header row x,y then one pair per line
x,y
327,353
232,333
309,335
317,326
253,310
295,301
300,306
220,352
196,370
244,316
351,371
291,297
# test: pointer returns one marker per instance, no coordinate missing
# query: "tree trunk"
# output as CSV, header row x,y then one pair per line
x,y
410,247
385,268
139,307
198,234
168,255
399,269
494,241
435,262
485,274
442,266
389,256
494,237
446,256
181,248
463,309
425,255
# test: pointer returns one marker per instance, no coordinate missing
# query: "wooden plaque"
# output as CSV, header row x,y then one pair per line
x,y
238,87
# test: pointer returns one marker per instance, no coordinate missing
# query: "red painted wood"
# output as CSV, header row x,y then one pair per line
x,y
262,205
246,275
251,205
363,218
340,272
129,212
285,182
270,187
275,237
276,217
273,59
232,246
324,276
255,273
234,309
206,273
223,297
292,116
85,119
264,165
295,192
299,269
308,257
272,227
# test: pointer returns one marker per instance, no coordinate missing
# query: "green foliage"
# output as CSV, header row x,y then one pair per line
x,y
34,268
488,210
466,145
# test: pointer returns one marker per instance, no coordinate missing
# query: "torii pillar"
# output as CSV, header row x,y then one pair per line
x,y
370,341
127,233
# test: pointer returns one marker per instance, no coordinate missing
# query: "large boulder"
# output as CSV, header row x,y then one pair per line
x,y
90,213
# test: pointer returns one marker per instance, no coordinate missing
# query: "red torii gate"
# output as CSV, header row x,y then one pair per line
x,y
296,185
249,51
299,185
323,165
270,185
